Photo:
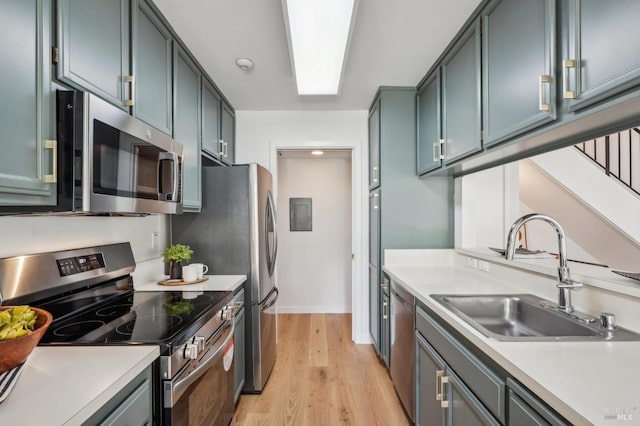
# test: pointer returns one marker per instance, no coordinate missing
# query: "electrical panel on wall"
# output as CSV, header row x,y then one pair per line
x,y
300,214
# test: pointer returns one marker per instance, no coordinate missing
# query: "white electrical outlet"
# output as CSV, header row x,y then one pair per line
x,y
472,262
483,265
155,240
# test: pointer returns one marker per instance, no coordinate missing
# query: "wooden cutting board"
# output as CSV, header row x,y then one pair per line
x,y
175,282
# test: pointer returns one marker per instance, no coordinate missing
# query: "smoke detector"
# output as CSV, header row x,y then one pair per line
x,y
244,63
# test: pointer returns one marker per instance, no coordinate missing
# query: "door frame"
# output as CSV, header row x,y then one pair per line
x,y
359,225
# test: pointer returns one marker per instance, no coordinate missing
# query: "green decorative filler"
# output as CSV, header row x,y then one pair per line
x,y
175,257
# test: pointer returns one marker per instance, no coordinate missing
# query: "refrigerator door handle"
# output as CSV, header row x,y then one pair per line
x,y
271,302
275,232
270,223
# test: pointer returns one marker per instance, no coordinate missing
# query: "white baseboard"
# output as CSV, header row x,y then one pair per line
x,y
314,309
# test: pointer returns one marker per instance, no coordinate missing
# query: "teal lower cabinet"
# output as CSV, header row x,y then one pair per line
x,y
526,409
457,384
133,405
238,347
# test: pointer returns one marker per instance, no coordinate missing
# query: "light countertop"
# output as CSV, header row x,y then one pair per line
x,y
214,283
66,385
583,381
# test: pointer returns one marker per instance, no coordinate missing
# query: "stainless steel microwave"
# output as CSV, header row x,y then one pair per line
x,y
109,162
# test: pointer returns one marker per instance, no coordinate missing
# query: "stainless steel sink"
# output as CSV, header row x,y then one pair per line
x,y
527,317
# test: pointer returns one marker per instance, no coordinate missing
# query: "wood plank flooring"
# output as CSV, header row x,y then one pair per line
x,y
321,377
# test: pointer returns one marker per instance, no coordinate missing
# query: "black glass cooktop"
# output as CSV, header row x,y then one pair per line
x,y
116,316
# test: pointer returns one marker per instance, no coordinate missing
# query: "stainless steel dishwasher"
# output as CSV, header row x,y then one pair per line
x,y
403,346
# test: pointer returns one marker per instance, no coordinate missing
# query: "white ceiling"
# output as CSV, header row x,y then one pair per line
x,y
394,43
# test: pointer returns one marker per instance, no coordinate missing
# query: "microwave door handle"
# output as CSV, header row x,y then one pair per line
x,y
178,388
162,157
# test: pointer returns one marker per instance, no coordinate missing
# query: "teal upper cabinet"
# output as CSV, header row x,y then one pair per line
x,y
461,98
600,56
228,132
187,126
152,69
210,121
518,59
374,146
94,47
429,134
27,113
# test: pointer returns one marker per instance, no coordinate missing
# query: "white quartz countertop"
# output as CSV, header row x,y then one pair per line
x,y
214,283
66,385
583,381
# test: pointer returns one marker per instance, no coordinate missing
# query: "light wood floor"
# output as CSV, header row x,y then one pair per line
x,y
322,378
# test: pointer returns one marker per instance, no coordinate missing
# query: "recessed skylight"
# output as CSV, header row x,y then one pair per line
x,y
318,34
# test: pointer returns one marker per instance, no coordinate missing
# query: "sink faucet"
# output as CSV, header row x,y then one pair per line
x,y
565,283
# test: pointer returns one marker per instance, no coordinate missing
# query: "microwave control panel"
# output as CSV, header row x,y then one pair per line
x,y
79,264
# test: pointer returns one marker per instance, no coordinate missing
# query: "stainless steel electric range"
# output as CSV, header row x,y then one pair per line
x,y
90,294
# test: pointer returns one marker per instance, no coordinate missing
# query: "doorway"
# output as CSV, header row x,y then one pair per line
x,y
315,205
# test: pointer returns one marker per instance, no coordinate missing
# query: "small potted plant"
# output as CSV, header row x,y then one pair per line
x,y
175,257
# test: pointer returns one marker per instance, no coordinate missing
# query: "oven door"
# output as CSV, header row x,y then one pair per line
x,y
202,394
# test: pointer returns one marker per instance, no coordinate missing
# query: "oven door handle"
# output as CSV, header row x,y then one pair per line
x,y
178,388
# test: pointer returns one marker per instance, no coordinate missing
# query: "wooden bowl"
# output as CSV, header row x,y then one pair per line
x,y
14,352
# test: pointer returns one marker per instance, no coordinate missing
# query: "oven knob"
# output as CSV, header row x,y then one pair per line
x,y
227,313
199,342
190,351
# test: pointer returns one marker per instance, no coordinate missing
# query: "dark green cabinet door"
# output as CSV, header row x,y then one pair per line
x,y
27,113
238,354
374,228
518,59
601,55
430,369
385,328
461,98
210,121
374,146
187,126
152,69
94,47
374,267
463,408
374,306
228,132
429,131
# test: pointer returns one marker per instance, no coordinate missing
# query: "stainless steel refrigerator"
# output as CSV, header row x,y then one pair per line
x,y
235,233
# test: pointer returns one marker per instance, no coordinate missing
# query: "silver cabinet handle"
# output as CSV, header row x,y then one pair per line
x,y
442,144
384,310
132,80
53,146
225,147
221,148
566,93
375,174
375,201
439,374
544,79
437,146
443,402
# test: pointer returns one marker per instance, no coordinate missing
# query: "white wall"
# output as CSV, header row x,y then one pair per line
x,y
38,234
259,134
316,276
486,204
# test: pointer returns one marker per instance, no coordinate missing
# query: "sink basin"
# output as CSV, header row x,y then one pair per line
x,y
527,317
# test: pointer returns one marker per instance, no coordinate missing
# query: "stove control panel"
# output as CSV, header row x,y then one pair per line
x,y
79,264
